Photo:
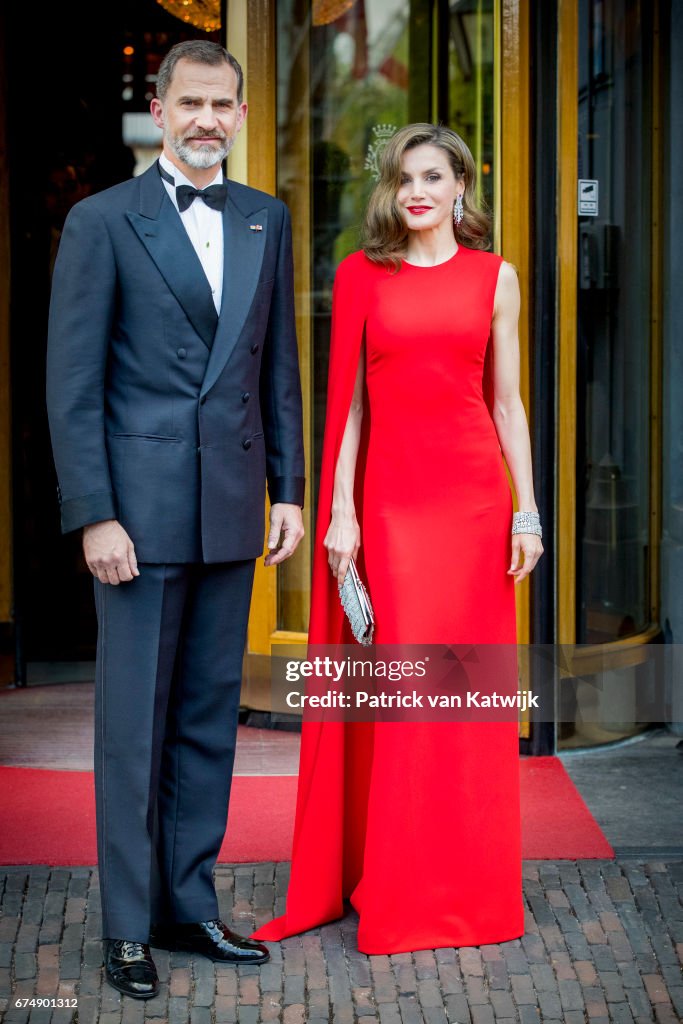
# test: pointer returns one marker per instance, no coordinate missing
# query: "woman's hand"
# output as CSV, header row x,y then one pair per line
x,y
342,541
530,545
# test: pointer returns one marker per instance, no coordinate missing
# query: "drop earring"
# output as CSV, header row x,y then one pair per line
x,y
458,212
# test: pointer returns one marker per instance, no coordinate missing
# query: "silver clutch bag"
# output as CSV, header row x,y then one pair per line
x,y
356,604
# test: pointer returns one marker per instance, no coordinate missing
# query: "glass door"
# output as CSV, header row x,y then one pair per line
x,y
609,356
349,74
613,319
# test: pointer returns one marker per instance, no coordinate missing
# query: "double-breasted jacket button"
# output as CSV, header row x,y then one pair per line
x,y
245,396
182,352
246,444
254,348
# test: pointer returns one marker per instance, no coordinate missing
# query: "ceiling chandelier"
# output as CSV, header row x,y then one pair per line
x,y
203,14
327,11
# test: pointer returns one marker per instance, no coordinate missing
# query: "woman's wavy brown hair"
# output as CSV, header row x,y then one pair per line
x,y
384,232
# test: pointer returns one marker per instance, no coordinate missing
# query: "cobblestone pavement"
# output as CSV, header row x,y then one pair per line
x,y
604,942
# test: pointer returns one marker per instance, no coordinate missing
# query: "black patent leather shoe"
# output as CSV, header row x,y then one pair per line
x,y
130,969
212,939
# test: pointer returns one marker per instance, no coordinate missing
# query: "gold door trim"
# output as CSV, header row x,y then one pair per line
x,y
512,232
251,32
513,204
587,659
566,313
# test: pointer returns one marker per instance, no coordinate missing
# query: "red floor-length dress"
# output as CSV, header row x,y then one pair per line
x,y
417,823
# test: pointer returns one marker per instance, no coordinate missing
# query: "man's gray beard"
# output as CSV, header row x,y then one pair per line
x,y
203,157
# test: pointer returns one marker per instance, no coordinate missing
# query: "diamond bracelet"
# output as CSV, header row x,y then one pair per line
x,y
526,522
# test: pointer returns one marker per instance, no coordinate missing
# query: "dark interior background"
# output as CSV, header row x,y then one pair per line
x,y
67,95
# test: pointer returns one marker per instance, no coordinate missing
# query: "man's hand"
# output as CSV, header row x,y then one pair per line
x,y
286,520
109,552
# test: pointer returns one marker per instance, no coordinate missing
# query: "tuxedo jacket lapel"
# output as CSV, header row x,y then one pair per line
x,y
243,256
160,229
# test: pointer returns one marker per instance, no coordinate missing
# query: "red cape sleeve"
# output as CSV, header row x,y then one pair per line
x,y
349,311
315,893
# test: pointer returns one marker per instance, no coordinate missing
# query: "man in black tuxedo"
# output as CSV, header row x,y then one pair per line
x,y
173,395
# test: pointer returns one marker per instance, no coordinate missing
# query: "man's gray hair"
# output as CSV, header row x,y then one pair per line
x,y
200,51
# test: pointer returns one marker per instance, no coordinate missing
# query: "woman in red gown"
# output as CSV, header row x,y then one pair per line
x,y
417,824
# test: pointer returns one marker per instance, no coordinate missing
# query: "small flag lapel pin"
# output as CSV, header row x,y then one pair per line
x,y
256,227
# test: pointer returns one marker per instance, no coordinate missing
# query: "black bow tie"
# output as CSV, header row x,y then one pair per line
x,y
214,196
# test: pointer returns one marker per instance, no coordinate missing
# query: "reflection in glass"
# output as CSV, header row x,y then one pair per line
x,y
613,321
471,83
348,76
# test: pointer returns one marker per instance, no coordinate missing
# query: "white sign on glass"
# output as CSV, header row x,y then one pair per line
x,y
588,197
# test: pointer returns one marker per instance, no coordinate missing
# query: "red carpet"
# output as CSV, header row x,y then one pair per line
x,y
48,817
556,824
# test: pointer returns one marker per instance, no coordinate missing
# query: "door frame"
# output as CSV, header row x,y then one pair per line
x,y
251,33
630,650
586,658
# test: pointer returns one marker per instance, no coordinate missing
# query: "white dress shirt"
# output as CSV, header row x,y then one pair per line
x,y
204,227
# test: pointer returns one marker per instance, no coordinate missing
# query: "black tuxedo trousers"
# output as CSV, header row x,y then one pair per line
x,y
168,679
